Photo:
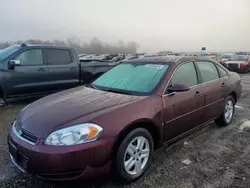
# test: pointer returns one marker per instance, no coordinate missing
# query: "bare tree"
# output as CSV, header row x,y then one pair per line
x,y
95,46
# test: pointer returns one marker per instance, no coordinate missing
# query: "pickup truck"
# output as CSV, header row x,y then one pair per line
x,y
31,70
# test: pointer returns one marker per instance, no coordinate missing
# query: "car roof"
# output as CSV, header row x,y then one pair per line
x,y
45,46
171,59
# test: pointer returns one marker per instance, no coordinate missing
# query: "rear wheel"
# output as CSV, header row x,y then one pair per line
x,y
228,112
134,155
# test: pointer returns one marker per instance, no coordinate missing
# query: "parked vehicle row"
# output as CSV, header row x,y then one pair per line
x,y
28,70
238,63
117,122
103,57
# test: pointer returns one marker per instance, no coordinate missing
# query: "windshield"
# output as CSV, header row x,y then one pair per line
x,y
4,53
239,58
132,78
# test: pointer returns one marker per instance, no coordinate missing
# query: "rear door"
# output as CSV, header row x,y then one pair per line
x,y
183,110
213,88
63,68
30,77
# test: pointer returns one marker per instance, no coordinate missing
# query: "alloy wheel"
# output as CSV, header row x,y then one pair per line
x,y
136,155
229,110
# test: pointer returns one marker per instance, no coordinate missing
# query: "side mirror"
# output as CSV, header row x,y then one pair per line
x,y
13,63
178,88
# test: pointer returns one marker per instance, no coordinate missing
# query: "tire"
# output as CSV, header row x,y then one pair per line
x,y
2,102
223,120
246,70
123,156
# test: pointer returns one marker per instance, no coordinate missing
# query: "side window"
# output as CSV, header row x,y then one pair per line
x,y
30,57
222,72
58,56
208,71
185,74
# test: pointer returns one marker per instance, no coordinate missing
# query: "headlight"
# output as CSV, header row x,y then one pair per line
x,y
74,135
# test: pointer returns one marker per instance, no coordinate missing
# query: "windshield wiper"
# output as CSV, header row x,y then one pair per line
x,y
91,86
110,90
118,91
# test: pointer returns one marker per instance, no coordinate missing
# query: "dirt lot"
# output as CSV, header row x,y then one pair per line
x,y
220,157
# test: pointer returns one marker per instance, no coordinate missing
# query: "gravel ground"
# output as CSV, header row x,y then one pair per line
x,y
220,157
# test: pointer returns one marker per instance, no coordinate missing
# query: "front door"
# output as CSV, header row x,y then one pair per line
x,y
29,77
183,110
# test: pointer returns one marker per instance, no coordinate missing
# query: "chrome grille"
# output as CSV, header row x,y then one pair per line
x,y
233,65
25,135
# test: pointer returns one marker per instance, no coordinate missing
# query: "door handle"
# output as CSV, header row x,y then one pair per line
x,y
41,70
73,68
223,85
197,93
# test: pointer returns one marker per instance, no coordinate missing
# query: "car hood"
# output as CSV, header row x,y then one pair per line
x,y
62,109
236,62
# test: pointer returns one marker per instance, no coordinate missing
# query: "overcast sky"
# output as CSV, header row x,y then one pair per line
x,y
178,25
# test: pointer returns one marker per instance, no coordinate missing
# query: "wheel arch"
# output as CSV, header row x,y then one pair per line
x,y
148,124
234,95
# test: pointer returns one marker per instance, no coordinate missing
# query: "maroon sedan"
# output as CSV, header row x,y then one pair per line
x,y
117,122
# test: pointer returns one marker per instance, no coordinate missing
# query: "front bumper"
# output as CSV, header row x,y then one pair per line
x,y
60,163
238,68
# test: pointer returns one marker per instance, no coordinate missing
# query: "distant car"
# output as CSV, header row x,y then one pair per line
x,y
81,55
130,57
219,60
242,53
111,56
121,118
116,59
226,57
204,54
178,54
89,57
151,55
239,63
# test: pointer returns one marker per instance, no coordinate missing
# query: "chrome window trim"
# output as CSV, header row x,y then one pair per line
x,y
194,85
16,133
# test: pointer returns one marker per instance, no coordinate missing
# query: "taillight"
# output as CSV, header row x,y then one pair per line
x,y
242,66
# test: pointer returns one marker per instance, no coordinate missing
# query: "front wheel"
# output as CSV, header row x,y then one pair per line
x,y
134,155
228,112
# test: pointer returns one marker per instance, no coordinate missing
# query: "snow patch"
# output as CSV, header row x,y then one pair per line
x,y
245,126
239,107
186,161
